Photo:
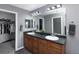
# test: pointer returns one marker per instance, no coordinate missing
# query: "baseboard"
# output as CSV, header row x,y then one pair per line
x,y
19,48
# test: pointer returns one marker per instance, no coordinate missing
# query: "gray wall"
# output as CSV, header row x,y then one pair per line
x,y
72,14
22,14
48,24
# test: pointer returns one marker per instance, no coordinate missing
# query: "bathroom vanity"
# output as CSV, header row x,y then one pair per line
x,y
38,44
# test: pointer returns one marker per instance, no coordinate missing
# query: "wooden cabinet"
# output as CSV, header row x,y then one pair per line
x,y
54,48
42,46
25,41
28,42
35,45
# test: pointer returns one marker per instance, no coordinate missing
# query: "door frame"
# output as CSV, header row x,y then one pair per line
x,y
16,28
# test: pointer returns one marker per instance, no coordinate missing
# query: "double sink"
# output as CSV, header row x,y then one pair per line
x,y
49,37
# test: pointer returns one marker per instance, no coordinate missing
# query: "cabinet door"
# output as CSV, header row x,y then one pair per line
x,y
28,42
54,48
35,46
43,46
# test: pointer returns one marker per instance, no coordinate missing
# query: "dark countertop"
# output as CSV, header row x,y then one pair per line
x,y
41,35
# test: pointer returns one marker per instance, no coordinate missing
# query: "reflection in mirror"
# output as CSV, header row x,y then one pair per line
x,y
31,23
41,22
54,21
56,25
28,23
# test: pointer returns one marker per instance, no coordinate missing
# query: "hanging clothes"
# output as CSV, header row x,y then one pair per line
x,y
8,29
5,28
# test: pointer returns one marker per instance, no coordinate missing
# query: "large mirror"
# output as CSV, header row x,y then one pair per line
x,y
52,21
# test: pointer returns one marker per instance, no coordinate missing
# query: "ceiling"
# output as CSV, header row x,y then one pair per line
x,y
29,7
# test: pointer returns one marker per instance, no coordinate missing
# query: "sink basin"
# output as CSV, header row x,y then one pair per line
x,y
51,38
31,33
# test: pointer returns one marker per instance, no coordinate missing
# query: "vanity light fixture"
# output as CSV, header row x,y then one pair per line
x,y
58,6
33,14
48,9
37,13
53,7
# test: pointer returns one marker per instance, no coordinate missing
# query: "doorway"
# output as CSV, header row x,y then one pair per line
x,y
41,24
7,31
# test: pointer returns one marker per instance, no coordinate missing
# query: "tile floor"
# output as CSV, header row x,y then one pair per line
x,y
7,47
23,51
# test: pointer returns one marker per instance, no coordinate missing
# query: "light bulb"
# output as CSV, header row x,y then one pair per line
x,y
53,7
48,9
58,6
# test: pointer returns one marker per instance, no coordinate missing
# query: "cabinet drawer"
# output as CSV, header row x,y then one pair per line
x,y
54,45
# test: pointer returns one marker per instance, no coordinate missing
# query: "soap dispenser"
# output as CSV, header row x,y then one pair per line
x,y
72,28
